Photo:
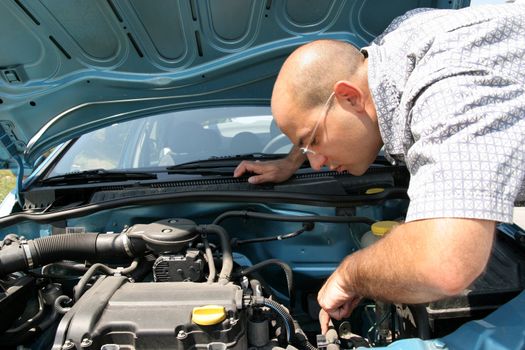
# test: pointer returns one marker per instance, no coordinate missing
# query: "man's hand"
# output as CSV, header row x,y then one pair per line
x,y
272,170
417,262
336,300
268,171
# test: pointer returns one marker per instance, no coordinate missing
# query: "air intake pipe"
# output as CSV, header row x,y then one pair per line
x,y
169,236
27,254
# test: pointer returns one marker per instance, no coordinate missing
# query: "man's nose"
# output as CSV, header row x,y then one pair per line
x,y
317,161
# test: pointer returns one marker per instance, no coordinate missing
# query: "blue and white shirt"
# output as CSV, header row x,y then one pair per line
x,y
449,90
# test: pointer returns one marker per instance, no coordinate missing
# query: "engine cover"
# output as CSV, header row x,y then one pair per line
x,y
118,314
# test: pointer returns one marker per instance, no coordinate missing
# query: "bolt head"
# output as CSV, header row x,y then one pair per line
x,y
181,334
86,342
68,344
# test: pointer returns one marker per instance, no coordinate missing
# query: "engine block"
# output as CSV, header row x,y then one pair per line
x,y
117,314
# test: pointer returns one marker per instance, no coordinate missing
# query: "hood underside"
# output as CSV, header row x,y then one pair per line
x,y
69,67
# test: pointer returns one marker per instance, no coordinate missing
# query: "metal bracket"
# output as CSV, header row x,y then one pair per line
x,y
13,75
9,140
15,148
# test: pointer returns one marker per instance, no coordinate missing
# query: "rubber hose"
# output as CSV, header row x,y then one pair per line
x,y
86,246
289,324
31,321
58,304
287,272
285,315
293,218
72,246
60,247
227,258
209,256
256,287
81,285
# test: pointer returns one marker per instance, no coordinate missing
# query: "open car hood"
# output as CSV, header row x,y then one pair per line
x,y
67,67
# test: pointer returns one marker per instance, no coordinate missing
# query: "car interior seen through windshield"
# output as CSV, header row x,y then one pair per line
x,y
174,138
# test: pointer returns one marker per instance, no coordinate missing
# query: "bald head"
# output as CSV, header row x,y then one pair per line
x,y
310,72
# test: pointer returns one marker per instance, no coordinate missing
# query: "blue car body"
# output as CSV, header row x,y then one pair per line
x,y
132,116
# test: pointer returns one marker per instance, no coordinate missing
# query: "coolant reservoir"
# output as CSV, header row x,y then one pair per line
x,y
378,230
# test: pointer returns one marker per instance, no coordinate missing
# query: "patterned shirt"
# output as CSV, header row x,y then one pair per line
x,y
449,90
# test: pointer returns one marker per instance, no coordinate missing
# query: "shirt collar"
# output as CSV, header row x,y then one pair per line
x,y
386,98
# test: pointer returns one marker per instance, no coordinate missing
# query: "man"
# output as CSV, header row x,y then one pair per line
x,y
443,91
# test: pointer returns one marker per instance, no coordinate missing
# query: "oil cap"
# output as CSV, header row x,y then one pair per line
x,y
208,315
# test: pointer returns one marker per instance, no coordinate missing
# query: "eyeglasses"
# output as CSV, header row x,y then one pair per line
x,y
306,149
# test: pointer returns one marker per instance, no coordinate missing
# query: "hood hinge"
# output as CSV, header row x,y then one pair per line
x,y
12,144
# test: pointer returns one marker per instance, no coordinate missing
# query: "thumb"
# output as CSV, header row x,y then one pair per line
x,y
257,179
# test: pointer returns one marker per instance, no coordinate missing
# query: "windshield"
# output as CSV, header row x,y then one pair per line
x,y
175,138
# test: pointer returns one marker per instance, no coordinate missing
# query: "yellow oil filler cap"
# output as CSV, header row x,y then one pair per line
x,y
381,227
208,315
374,190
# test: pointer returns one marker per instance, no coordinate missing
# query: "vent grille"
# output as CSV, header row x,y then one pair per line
x,y
112,188
162,271
205,182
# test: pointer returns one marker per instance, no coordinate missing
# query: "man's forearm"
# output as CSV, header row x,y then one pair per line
x,y
411,265
387,272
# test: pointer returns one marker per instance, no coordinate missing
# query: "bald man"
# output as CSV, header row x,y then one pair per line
x,y
444,92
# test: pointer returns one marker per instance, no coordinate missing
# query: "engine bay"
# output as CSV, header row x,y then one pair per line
x,y
219,276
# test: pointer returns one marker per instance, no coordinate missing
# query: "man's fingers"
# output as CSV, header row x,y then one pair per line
x,y
345,310
324,321
257,179
243,167
254,167
338,313
356,302
265,171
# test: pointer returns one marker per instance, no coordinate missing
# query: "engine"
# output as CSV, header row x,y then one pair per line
x,y
117,314
170,297
174,284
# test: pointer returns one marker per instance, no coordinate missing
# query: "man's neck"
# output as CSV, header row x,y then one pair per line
x,y
370,107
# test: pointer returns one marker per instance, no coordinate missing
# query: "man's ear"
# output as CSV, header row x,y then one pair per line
x,y
349,95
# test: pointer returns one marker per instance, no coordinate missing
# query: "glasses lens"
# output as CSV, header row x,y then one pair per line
x,y
306,149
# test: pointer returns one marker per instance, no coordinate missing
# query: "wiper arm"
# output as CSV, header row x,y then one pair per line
x,y
223,162
224,165
97,175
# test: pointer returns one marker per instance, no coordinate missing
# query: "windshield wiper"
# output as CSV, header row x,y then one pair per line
x,y
97,175
222,162
224,165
